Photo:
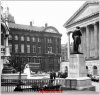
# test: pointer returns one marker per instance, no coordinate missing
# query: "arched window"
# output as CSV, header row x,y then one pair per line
x,y
10,37
28,38
28,48
10,47
33,39
16,37
22,38
94,70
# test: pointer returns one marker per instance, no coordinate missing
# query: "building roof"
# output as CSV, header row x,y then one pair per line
x,y
25,27
33,28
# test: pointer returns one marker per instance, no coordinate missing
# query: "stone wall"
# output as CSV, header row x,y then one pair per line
x,y
13,76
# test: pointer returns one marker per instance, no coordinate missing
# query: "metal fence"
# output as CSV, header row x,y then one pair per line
x,y
9,85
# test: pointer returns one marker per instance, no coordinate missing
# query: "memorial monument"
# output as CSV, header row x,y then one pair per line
x,y
27,70
77,76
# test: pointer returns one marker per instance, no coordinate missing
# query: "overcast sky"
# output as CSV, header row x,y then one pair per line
x,y
55,13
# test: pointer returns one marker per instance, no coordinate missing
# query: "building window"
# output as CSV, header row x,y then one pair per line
x,y
49,40
39,49
57,49
10,37
22,48
28,38
22,38
16,37
63,58
10,47
39,40
2,49
16,48
38,60
34,49
34,59
28,48
33,39
49,49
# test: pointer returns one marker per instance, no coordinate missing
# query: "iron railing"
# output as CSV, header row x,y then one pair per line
x,y
9,85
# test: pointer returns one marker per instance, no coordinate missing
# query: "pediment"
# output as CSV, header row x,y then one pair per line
x,y
86,10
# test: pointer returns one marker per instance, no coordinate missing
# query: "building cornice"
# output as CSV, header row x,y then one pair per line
x,y
84,22
84,19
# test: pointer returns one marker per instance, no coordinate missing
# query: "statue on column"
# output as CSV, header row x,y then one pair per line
x,y
77,40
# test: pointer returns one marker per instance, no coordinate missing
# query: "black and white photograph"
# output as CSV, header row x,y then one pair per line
x,y
50,47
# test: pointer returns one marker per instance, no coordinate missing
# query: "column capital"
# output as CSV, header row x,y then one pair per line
x,y
94,23
85,26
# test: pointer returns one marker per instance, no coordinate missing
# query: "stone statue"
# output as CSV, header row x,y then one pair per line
x,y
77,40
27,70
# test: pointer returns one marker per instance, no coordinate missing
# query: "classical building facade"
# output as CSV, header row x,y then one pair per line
x,y
87,17
36,45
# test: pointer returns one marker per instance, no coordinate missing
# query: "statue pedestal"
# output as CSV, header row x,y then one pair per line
x,y
77,77
77,66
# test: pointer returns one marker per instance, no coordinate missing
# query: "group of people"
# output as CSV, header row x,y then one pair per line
x,y
52,76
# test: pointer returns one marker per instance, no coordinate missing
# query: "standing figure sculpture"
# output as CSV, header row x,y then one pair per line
x,y
77,39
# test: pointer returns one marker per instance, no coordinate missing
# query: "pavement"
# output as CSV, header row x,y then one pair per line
x,y
71,92
68,92
97,86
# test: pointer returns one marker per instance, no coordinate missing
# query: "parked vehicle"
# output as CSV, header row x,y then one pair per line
x,y
95,78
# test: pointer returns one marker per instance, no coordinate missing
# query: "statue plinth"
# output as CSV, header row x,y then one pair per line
x,y
77,76
77,67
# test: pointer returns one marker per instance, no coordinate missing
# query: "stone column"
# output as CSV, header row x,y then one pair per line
x,y
82,41
87,42
84,45
68,50
99,49
95,39
98,39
